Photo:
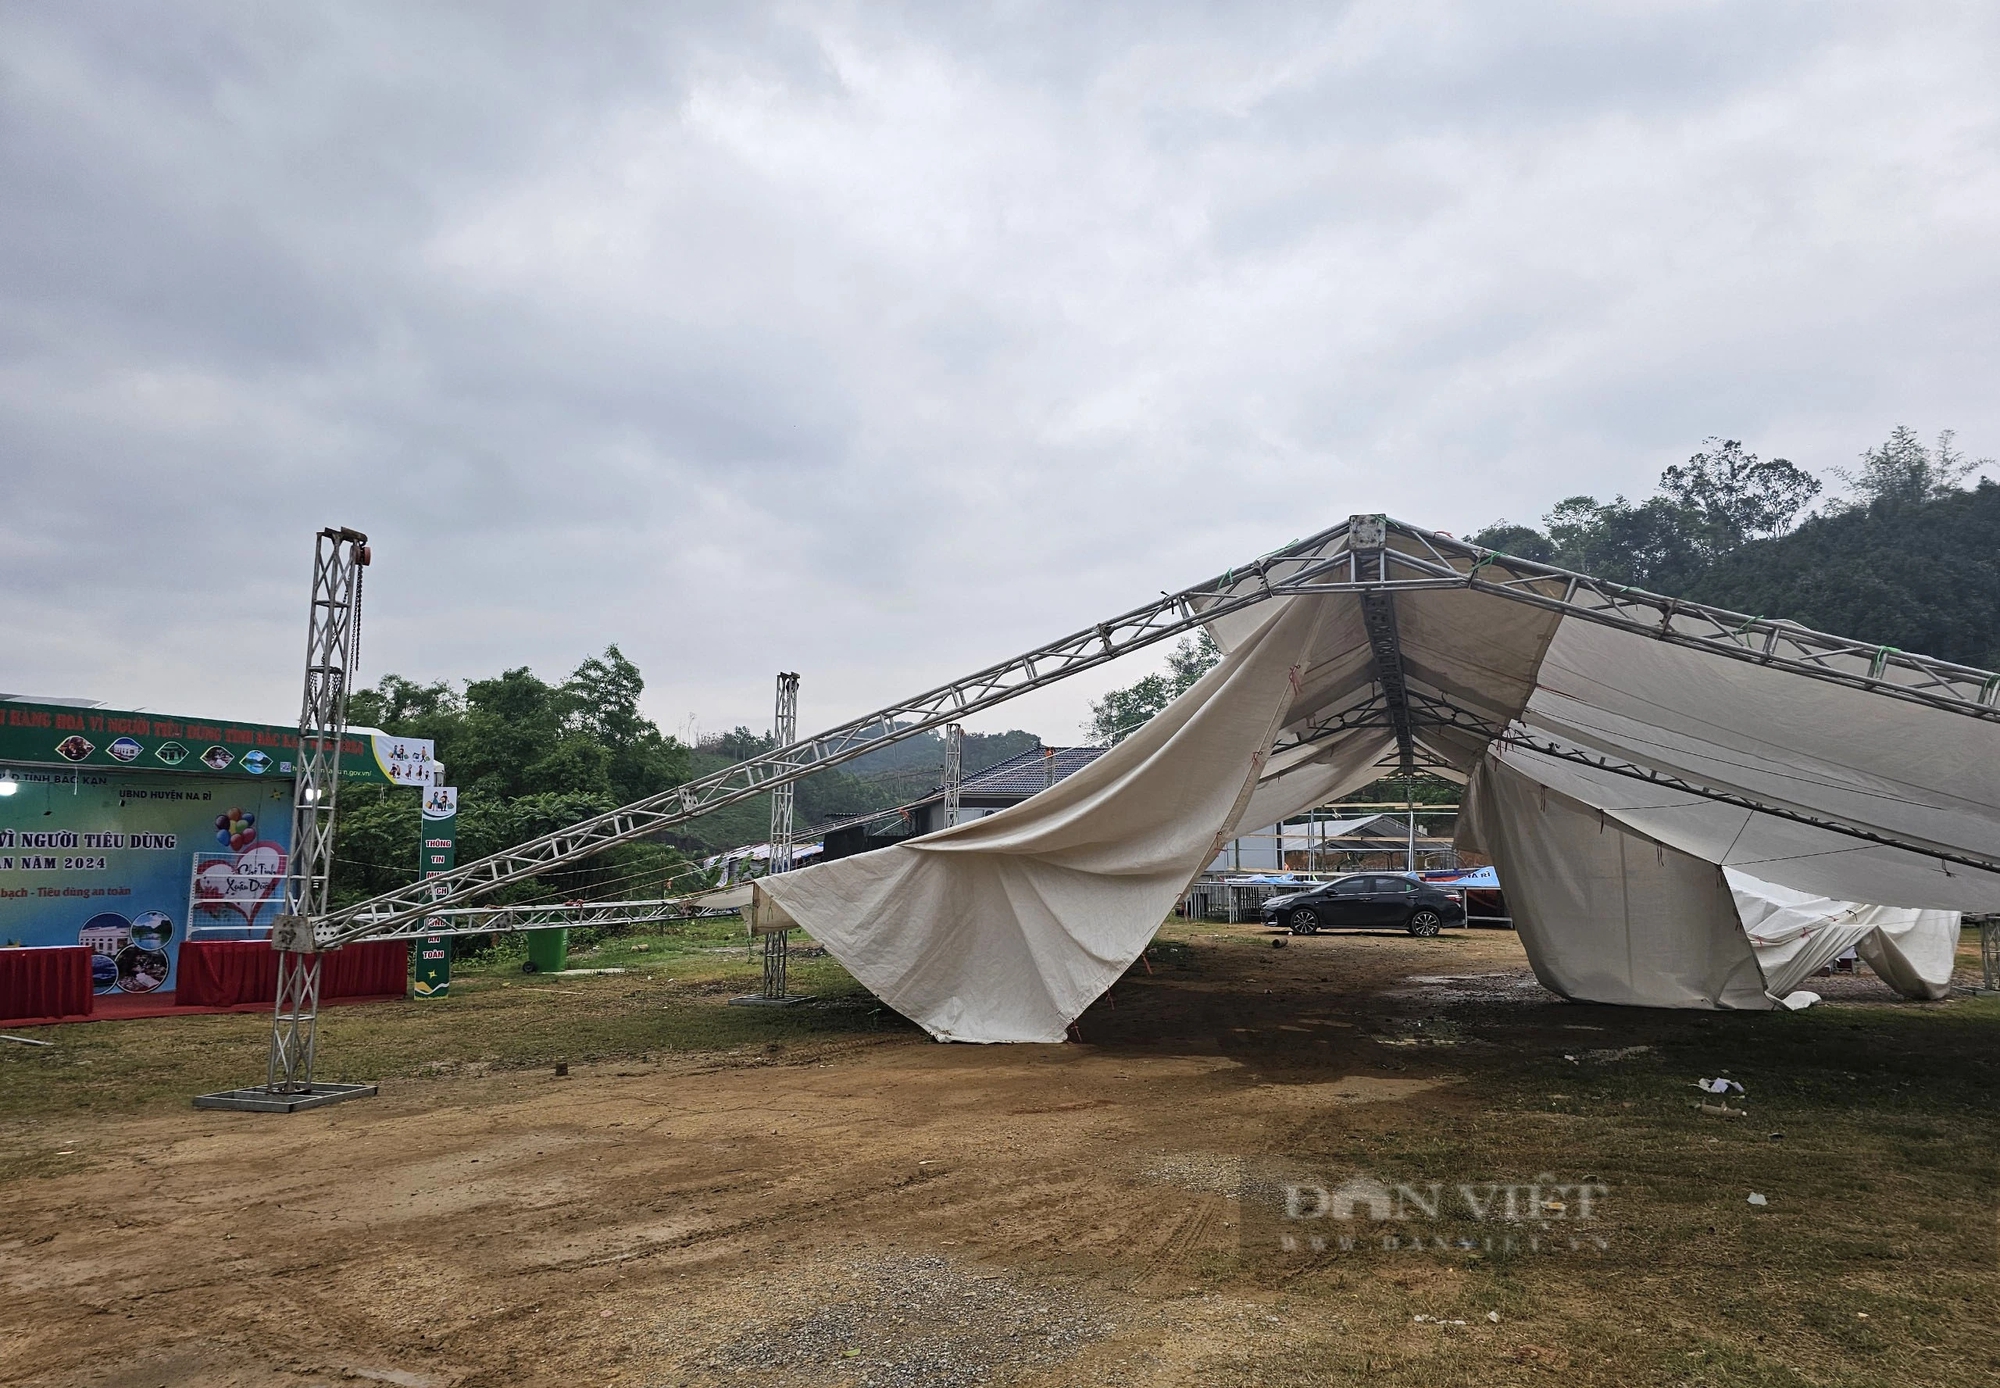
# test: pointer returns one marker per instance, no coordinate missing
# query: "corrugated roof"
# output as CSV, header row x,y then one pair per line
x,y
1025,774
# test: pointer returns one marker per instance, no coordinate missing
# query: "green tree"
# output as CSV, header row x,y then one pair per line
x,y
1902,471
528,757
1719,500
1122,710
1732,497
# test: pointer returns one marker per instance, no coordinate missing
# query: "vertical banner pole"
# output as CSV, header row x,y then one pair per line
x,y
437,852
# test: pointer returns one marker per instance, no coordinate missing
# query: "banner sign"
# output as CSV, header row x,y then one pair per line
x,y
104,860
401,761
437,852
61,735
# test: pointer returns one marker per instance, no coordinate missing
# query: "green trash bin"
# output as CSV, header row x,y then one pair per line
x,y
548,951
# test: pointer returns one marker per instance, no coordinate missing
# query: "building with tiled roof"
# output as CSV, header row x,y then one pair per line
x,y
1003,784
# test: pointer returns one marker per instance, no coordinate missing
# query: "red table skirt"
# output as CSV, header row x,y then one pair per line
x,y
45,983
222,973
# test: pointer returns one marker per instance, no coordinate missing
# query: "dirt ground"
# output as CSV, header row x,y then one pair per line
x,y
859,1206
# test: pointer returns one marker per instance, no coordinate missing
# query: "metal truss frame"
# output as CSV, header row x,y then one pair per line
x,y
399,914
784,732
1366,555
1618,766
1433,560
954,770
1385,647
482,920
1432,711
333,652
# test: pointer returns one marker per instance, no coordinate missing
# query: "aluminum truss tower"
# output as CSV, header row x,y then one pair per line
x,y
333,652
954,770
778,943
1368,554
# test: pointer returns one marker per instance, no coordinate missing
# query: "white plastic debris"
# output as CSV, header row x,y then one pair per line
x,y
1719,1086
1493,1316
1758,1200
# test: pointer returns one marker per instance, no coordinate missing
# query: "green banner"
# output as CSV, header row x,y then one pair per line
x,y
111,739
437,852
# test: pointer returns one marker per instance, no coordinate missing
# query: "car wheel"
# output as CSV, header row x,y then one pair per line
x,y
1425,923
1303,921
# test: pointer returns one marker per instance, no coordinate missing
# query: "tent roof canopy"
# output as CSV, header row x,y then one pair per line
x,y
1824,764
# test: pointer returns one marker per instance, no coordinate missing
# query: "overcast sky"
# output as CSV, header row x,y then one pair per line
x,y
880,342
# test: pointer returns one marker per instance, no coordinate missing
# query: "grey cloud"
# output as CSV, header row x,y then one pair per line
x,y
879,343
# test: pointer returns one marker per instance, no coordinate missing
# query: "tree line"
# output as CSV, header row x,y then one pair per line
x,y
530,756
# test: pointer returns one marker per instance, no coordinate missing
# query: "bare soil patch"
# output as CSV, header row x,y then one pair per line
x,y
825,1197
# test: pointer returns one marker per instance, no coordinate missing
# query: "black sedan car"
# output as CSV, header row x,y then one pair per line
x,y
1367,899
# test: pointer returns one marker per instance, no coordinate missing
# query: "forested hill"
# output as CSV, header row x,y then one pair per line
x,y
1922,577
1909,559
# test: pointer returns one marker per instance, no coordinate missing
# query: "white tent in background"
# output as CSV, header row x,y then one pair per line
x,y
1689,808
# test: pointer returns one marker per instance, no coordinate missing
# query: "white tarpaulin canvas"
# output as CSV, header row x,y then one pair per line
x,y
1006,928
1795,934
1608,914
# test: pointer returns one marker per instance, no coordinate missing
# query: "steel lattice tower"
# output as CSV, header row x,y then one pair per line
x,y
954,770
333,652
784,732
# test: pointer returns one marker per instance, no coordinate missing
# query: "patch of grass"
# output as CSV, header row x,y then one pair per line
x,y
672,1001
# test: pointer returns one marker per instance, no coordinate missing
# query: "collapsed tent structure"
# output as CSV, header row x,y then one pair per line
x,y
1689,807
1005,929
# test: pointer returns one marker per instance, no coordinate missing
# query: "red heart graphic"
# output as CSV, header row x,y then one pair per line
x,y
242,884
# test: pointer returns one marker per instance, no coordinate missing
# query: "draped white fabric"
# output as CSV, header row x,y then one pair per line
x,y
1605,914
1795,934
1006,928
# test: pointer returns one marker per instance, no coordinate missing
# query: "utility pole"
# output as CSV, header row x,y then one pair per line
x,y
333,652
954,770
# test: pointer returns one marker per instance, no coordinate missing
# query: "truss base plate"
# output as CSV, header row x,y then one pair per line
x,y
264,1101
759,1000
